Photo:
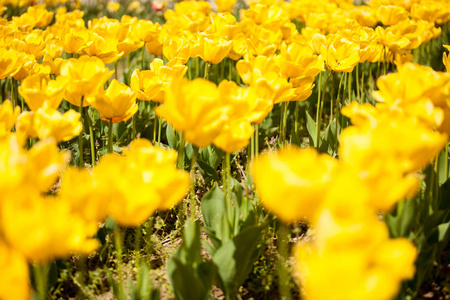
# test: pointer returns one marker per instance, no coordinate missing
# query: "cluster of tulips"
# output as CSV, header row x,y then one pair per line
x,y
58,71
380,157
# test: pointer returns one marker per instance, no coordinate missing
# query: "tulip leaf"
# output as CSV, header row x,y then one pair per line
x,y
189,275
234,260
171,137
311,127
208,173
213,208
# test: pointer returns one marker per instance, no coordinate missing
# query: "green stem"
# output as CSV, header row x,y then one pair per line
x,y
118,244
192,186
142,59
362,82
80,136
256,140
159,130
282,268
133,124
358,92
207,69
110,137
230,68
319,112
336,133
154,129
13,95
283,124
115,69
40,272
91,135
180,159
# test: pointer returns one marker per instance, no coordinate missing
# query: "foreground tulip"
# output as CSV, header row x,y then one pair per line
x,y
369,264
152,182
14,277
292,183
8,117
51,123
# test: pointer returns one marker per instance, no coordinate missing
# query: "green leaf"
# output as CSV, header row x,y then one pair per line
x,y
234,260
311,127
208,173
213,208
171,137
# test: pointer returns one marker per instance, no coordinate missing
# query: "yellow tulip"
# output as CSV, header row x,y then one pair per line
x,y
292,183
146,84
44,228
75,39
117,103
38,90
264,68
195,109
103,45
10,63
212,49
359,252
8,117
14,277
391,15
86,75
49,122
152,182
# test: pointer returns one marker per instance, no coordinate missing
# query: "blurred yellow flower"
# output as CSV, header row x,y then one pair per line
x,y
292,183
8,117
152,182
14,277
49,122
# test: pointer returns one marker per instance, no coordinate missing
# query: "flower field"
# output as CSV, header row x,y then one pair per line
x,y
259,149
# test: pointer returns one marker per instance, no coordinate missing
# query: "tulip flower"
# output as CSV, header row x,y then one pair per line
x,y
38,90
86,75
8,117
195,109
117,103
14,277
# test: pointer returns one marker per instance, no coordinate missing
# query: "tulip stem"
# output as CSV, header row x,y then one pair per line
x,y
13,95
180,159
336,133
91,135
256,140
192,186
207,69
362,82
118,244
159,130
284,106
142,59
358,91
80,136
110,137
40,276
115,70
319,112
282,268
154,130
